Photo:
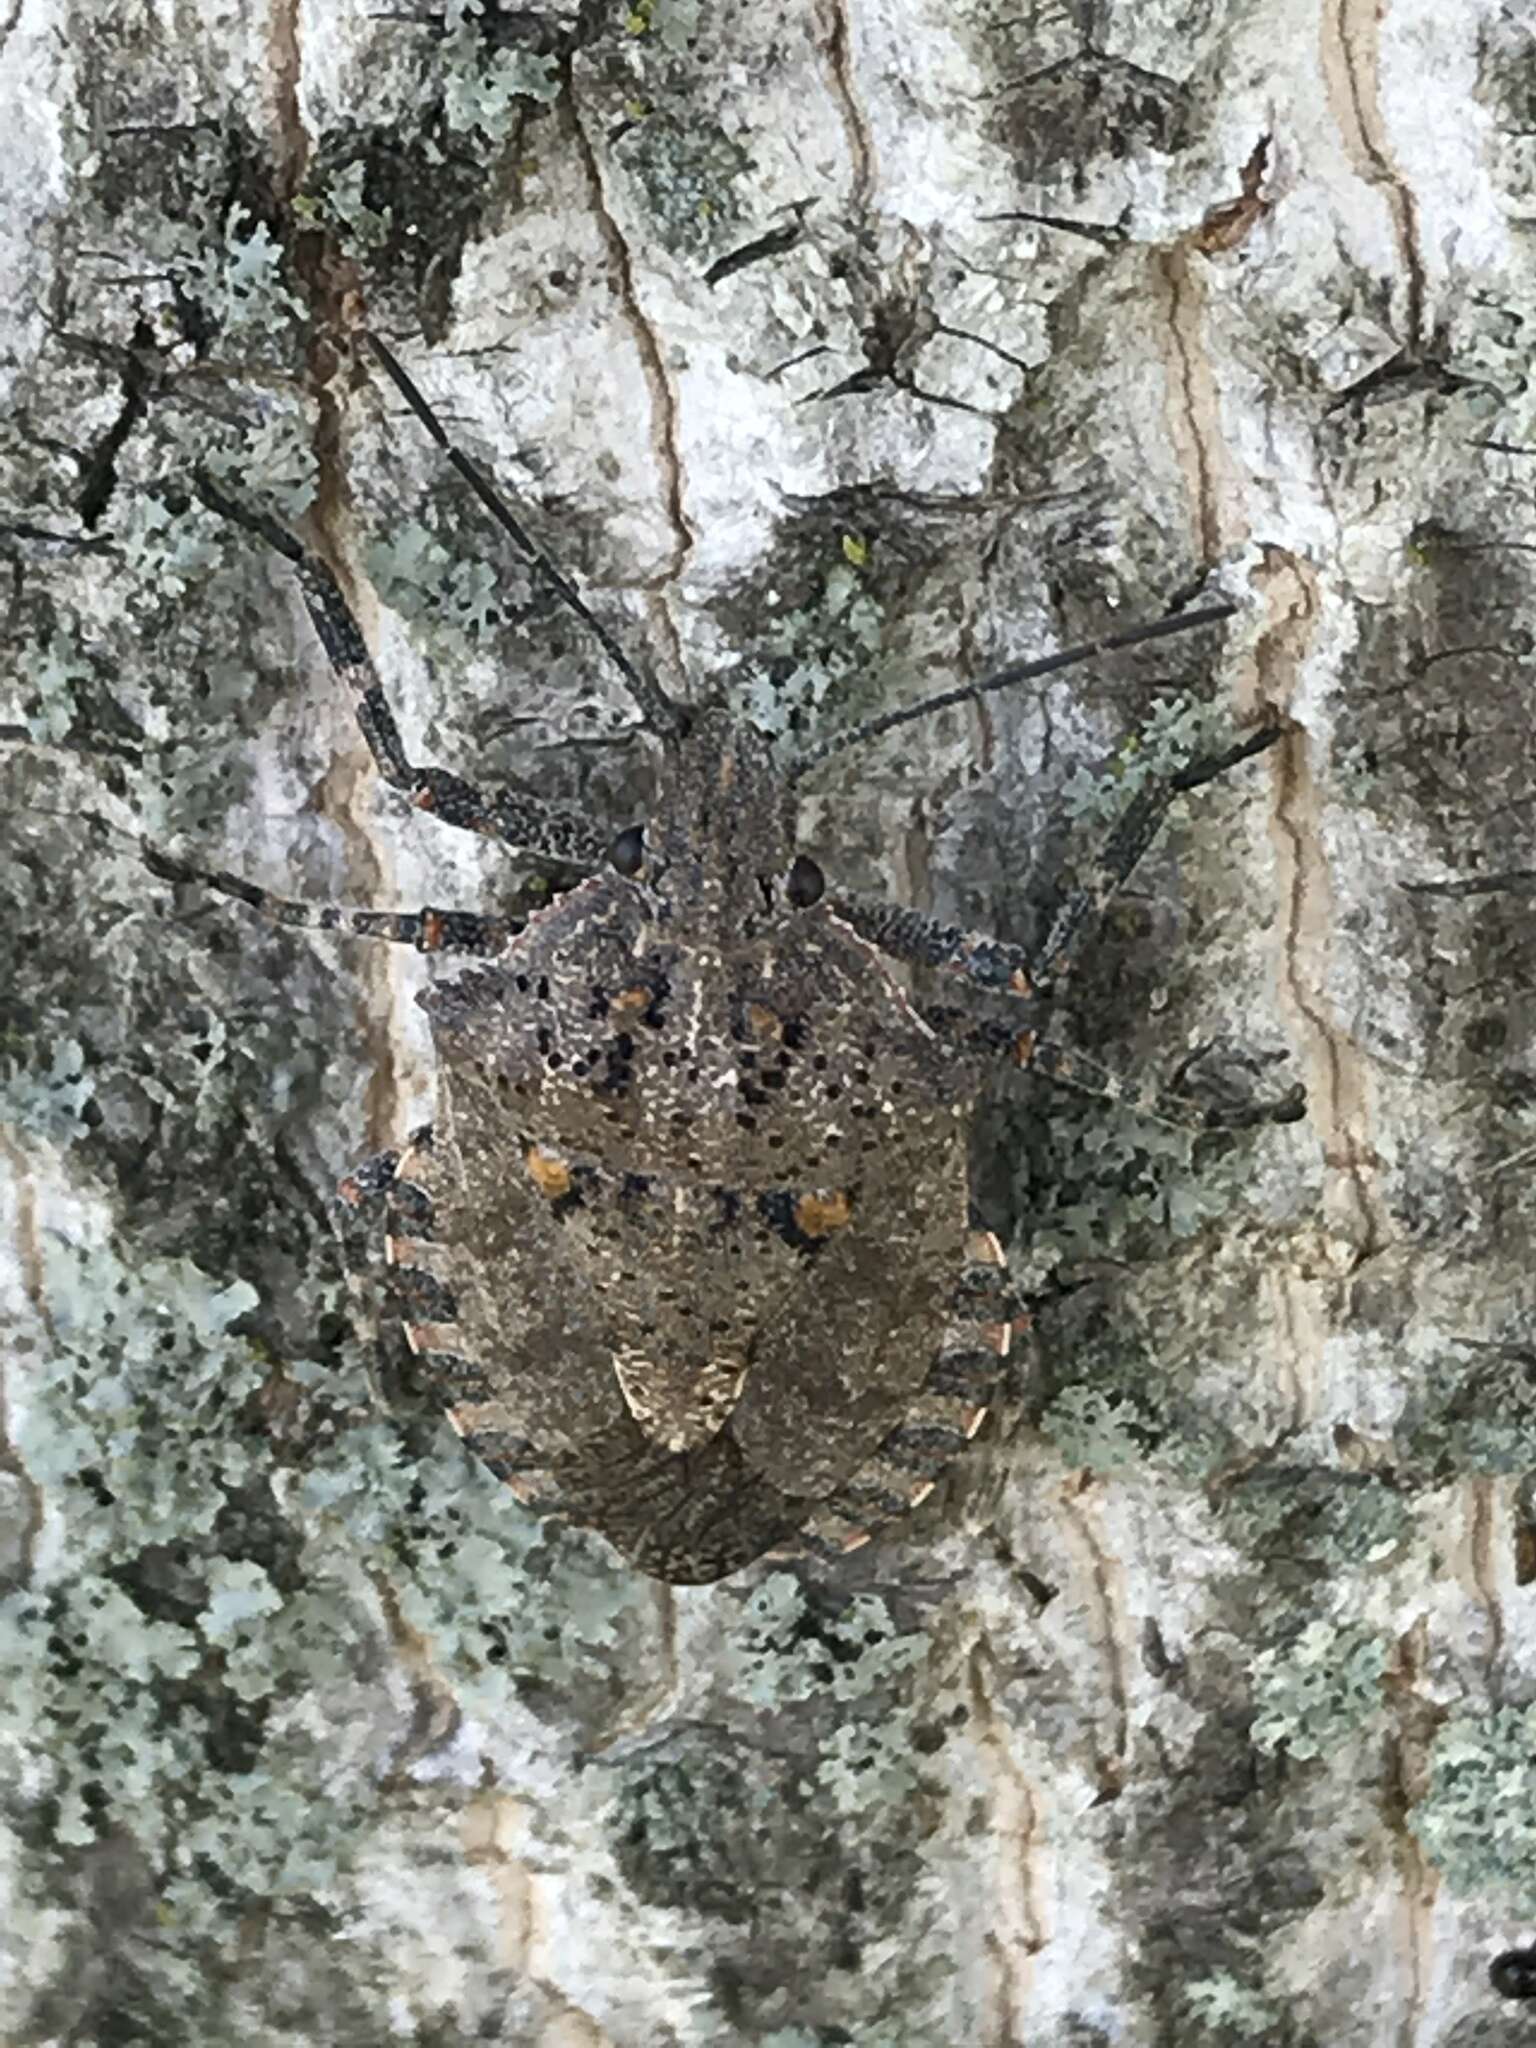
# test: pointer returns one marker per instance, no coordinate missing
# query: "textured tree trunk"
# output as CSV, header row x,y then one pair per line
x,y
841,352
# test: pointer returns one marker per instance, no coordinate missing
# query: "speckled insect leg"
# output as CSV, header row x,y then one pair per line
x,y
428,930
1070,1069
943,1419
993,964
914,936
516,820
360,1213
1129,839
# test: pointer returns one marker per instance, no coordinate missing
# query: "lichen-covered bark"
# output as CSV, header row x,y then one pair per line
x,y
840,349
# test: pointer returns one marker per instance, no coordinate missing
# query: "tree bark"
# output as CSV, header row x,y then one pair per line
x,y
840,352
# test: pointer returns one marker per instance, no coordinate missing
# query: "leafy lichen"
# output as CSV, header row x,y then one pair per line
x,y
1477,1820
1317,1686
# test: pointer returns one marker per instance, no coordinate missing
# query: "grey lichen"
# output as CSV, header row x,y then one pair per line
x,y
1318,1686
689,173
193,1592
1477,1821
482,85
1177,731
814,653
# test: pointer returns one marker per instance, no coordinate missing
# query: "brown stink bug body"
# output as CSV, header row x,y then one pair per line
x,y
686,1253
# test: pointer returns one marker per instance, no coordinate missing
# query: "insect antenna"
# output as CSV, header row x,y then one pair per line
x,y
657,709
1002,679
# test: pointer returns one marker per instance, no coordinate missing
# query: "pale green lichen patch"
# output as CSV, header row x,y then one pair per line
x,y
814,1841
203,1599
1477,1821
1307,1524
47,1103
689,174
817,651
1318,1686
785,1649
1227,2010
1472,1408
1177,731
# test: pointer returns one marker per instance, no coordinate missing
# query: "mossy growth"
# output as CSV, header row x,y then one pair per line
x,y
1223,2010
1303,1523
811,653
689,173
814,1845
672,23
1177,731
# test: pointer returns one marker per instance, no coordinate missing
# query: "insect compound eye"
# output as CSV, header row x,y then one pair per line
x,y
1513,1974
806,882
628,851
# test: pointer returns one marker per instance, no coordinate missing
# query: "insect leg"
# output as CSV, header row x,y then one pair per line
x,y
517,820
428,930
914,936
1071,1069
1132,834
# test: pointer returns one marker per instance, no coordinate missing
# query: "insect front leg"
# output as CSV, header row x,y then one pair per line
x,y
657,709
1131,835
994,964
923,941
428,930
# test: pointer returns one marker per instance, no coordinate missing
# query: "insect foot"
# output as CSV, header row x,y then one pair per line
x,y
686,1252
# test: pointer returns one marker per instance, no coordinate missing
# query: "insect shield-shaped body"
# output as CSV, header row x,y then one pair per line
x,y
698,1197
686,1253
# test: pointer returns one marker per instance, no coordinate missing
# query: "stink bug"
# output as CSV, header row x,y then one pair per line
x,y
686,1252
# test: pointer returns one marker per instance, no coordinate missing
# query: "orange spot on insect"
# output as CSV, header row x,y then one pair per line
x,y
350,1192
819,1214
424,800
1024,1047
528,1487
548,1171
765,1022
431,932
629,999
